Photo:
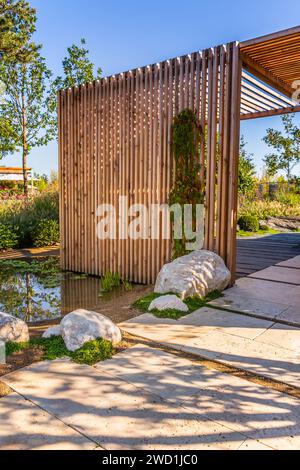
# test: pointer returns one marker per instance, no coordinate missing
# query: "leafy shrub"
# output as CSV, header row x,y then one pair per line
x,y
8,239
93,352
24,215
264,209
46,233
249,223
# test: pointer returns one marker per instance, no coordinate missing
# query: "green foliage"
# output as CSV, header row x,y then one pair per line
x,y
46,233
193,303
267,231
286,147
28,108
110,281
8,239
46,270
186,138
77,67
246,171
54,348
17,24
248,223
8,136
12,348
267,208
23,216
93,352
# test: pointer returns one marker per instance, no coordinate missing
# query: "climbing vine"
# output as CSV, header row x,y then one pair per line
x,y
187,135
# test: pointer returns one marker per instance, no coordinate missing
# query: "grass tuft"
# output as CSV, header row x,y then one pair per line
x,y
193,303
55,348
112,281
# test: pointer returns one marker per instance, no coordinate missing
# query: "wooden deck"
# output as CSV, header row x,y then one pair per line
x,y
260,253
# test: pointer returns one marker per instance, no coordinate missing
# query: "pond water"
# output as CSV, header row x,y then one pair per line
x,y
37,290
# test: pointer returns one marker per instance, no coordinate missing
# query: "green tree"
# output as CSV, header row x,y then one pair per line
x,y
286,147
17,24
28,108
246,170
77,68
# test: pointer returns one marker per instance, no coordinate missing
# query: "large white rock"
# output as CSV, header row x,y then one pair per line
x,y
52,331
196,274
167,302
13,329
82,326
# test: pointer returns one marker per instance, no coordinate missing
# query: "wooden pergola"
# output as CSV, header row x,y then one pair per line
x,y
115,135
275,62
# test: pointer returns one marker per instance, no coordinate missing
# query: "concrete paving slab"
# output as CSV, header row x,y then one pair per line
x,y
291,315
254,445
251,306
231,323
264,359
259,358
284,336
291,263
162,373
280,274
114,413
263,415
162,331
24,426
140,422
198,323
270,291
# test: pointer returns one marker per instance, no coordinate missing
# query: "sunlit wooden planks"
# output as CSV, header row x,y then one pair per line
x,y
115,140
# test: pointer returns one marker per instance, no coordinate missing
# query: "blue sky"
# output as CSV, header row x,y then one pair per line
x,y
125,34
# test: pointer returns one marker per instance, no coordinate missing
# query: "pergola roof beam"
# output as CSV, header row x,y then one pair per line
x,y
266,75
276,112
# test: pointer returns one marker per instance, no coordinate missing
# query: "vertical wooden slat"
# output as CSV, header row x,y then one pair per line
x,y
213,152
60,108
234,157
208,221
203,121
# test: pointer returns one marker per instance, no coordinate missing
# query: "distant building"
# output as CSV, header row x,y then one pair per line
x,y
15,174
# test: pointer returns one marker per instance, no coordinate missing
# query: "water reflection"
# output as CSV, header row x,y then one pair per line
x,y
36,290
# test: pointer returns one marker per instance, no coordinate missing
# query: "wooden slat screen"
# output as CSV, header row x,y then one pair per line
x,y
114,139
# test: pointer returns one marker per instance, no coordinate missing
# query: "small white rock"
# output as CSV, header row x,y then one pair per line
x,y
82,326
13,329
52,331
168,302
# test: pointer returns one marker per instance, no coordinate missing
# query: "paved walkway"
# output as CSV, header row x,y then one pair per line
x,y
146,398
254,327
143,398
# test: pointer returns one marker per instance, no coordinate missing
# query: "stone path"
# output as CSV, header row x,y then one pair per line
x,y
246,330
143,398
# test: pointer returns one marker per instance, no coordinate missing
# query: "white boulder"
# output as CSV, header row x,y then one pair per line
x,y
82,326
167,302
13,329
52,331
196,274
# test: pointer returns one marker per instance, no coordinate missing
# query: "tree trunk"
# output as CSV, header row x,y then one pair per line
x,y
24,137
